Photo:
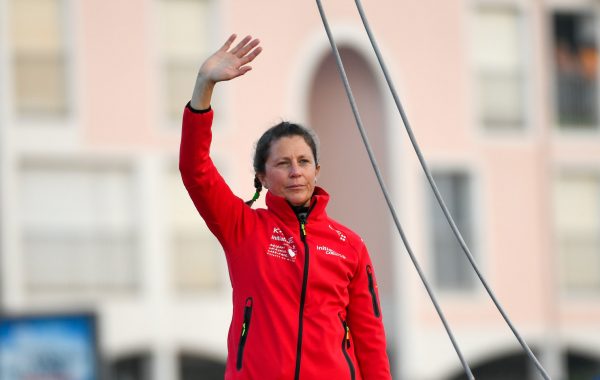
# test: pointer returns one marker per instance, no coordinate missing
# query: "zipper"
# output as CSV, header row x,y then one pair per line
x,y
346,346
302,220
244,334
372,291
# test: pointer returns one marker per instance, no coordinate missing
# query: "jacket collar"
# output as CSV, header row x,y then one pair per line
x,y
282,209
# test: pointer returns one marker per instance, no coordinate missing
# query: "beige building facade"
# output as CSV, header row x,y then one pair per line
x,y
502,96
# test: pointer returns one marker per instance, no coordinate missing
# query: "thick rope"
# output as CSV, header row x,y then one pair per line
x,y
386,195
438,196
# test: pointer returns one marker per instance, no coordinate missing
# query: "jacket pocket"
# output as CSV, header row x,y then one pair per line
x,y
244,333
346,346
372,291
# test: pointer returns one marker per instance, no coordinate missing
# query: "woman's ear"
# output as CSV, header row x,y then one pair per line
x,y
262,178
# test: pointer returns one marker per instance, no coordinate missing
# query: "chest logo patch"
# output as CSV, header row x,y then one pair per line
x,y
329,251
282,247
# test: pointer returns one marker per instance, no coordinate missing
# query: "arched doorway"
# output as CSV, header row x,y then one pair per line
x,y
514,366
517,366
582,366
196,367
346,173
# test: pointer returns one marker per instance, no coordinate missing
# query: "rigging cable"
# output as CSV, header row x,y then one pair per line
x,y
386,195
437,194
431,181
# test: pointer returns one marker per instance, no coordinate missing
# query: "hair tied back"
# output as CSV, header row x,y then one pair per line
x,y
258,187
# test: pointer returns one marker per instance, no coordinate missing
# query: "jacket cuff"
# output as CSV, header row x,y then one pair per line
x,y
192,109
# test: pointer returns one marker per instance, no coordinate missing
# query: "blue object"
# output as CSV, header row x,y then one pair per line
x,y
48,347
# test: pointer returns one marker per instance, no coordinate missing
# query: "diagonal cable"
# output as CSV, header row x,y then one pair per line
x,y
385,192
438,196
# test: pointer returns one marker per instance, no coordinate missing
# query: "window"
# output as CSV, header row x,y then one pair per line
x,y
186,37
499,67
577,218
133,367
576,69
39,62
78,229
452,270
196,254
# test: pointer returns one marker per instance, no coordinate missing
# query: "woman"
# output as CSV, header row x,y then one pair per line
x,y
305,303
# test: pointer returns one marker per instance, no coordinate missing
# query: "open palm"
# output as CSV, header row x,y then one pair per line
x,y
228,63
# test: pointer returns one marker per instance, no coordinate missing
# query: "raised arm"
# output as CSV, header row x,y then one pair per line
x,y
219,207
225,64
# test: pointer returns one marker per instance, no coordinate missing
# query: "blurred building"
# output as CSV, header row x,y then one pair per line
x,y
501,94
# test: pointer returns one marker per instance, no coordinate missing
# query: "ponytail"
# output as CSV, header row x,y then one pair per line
x,y
258,187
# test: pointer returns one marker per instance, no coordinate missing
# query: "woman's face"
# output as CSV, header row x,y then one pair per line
x,y
290,170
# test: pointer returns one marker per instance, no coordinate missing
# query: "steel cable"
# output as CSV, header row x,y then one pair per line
x,y
431,182
438,196
363,135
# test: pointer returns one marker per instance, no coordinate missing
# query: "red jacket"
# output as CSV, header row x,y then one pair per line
x,y
305,300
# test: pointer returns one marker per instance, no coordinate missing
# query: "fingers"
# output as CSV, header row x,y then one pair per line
x,y
250,57
231,62
245,49
244,69
228,43
240,45
242,48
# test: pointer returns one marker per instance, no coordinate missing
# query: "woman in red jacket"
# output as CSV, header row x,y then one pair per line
x,y
305,301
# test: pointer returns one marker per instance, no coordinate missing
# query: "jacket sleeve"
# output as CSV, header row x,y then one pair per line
x,y
223,212
365,321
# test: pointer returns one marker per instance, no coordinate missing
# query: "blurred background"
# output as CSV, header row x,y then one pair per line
x,y
107,270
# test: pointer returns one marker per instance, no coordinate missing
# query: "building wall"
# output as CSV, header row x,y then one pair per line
x,y
93,215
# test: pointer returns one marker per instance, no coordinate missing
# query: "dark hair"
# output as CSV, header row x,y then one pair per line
x,y
263,147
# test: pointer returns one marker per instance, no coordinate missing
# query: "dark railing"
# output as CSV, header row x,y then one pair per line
x,y
577,100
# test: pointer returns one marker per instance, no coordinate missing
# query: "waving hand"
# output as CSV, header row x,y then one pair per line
x,y
225,64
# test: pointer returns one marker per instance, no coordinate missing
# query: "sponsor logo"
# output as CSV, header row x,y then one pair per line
x,y
329,251
282,247
340,235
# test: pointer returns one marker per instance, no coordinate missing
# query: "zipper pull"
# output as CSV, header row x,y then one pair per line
x,y
347,335
243,328
302,219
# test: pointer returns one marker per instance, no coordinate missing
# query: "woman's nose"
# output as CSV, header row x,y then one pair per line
x,y
294,169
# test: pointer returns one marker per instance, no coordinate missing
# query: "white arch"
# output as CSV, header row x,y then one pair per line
x,y
312,52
